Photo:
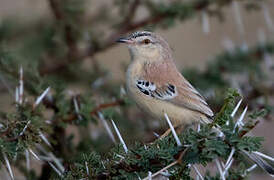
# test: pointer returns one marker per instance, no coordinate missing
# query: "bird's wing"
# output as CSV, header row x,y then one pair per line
x,y
172,87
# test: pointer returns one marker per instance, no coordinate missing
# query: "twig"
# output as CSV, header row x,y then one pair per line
x,y
170,165
94,112
131,12
159,172
107,105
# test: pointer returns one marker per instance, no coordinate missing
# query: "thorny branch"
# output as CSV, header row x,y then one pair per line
x,y
97,109
126,26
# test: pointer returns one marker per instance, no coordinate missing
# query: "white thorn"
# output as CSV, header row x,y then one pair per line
x,y
156,135
76,107
118,155
57,162
45,158
238,17
173,131
86,164
51,155
228,45
27,159
198,172
103,164
205,22
267,17
220,169
145,147
236,108
105,124
7,175
244,47
261,36
139,178
122,91
149,175
239,122
55,169
40,98
230,156
21,86
269,61
17,95
98,82
34,155
251,168
26,126
264,156
165,173
8,166
119,136
43,137
198,127
222,164
228,166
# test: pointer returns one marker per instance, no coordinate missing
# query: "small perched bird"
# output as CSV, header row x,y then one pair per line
x,y
157,86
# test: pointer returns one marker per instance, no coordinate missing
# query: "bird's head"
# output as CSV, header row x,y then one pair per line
x,y
146,44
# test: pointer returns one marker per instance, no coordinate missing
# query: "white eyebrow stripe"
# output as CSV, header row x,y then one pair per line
x,y
140,33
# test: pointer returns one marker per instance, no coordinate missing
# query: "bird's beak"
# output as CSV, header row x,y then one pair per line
x,y
124,40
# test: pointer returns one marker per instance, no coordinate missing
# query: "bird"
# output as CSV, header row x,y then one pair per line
x,y
155,84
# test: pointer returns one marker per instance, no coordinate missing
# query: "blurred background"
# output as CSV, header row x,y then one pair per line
x,y
70,46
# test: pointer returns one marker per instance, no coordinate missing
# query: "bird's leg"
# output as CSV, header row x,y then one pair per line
x,y
178,128
166,133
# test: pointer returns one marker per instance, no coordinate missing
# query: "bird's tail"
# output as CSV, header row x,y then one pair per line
x,y
260,162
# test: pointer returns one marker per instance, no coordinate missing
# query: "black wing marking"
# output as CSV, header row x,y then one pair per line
x,y
165,92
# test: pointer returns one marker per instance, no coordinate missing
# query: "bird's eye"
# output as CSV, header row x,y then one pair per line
x,y
146,41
